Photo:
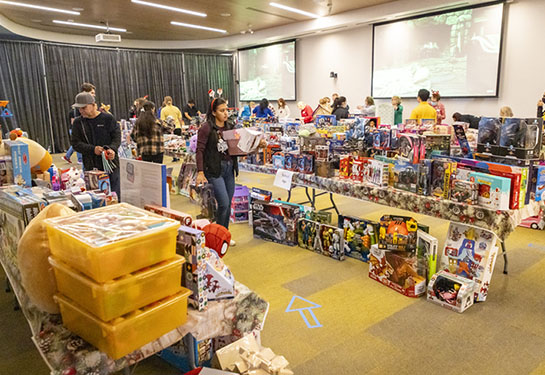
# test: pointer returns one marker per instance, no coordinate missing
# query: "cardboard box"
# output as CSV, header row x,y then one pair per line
x,y
307,234
451,291
539,190
331,241
275,222
406,176
242,141
377,173
442,173
494,191
470,253
464,192
97,180
397,233
21,203
219,281
20,162
6,171
426,246
190,244
182,217
359,235
397,270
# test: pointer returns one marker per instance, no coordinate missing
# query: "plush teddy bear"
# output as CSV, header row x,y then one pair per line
x,y
75,180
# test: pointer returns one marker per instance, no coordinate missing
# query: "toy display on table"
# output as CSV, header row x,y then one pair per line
x,y
247,357
470,253
397,233
451,291
275,222
398,270
359,235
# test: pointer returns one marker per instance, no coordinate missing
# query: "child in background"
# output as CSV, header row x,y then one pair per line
x,y
438,106
506,112
398,110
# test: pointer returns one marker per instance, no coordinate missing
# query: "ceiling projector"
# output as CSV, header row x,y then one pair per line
x,y
108,38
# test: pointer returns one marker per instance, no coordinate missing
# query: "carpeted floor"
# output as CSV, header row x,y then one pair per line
x,y
367,328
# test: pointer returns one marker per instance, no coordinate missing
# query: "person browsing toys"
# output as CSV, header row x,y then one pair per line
x,y
423,110
95,133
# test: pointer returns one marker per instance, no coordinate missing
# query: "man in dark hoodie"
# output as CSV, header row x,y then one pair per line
x,y
95,133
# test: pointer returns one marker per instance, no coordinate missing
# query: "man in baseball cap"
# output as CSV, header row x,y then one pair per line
x,y
95,133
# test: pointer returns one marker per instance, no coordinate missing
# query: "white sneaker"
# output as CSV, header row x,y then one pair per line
x,y
232,243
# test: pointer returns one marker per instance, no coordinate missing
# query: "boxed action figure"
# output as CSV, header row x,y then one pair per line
x,y
539,190
397,270
436,144
306,234
325,120
410,147
464,192
470,253
463,142
290,162
278,160
377,173
426,250
275,222
322,153
306,163
331,241
489,135
345,167
359,236
397,233
494,191
451,291
291,129
406,175
442,172
424,177
521,138
358,167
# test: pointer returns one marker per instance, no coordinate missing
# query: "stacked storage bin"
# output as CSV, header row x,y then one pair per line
x,y
118,276
240,205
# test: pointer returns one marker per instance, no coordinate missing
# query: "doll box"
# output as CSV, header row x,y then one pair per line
x,y
451,291
397,270
494,191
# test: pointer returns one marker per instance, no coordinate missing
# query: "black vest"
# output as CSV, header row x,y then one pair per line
x,y
212,157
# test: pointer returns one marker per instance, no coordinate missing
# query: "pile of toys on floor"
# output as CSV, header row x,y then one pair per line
x,y
498,166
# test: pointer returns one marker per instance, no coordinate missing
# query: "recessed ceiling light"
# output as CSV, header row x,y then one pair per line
x,y
225,14
198,27
25,5
294,10
78,9
167,7
100,27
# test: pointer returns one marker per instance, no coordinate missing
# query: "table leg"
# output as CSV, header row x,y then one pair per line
x,y
8,287
333,203
313,199
504,253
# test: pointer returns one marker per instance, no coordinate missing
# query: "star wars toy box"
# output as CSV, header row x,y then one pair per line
x,y
397,233
97,180
307,234
521,137
20,162
377,173
219,281
397,270
494,191
190,244
359,235
406,175
451,291
326,120
275,222
470,253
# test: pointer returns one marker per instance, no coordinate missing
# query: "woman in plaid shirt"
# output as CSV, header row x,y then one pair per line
x,y
148,134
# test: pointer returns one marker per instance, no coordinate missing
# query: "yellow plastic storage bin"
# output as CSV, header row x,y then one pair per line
x,y
112,241
122,295
124,335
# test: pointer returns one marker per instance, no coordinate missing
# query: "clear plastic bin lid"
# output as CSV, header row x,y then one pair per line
x,y
110,224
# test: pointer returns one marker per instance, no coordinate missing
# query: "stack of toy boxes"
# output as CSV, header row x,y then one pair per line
x,y
403,257
470,254
240,205
118,276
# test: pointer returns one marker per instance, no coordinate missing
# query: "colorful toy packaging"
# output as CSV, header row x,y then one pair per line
x,y
410,147
306,234
325,120
345,167
442,172
190,244
470,253
539,183
464,192
275,222
322,217
426,246
406,175
397,270
424,177
331,241
463,142
451,291
494,191
489,131
306,163
359,235
291,128
97,180
521,138
397,233
437,144
20,163
219,281
278,160
357,172
290,162
377,173
322,153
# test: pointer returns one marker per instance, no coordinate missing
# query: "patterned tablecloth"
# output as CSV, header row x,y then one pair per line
x,y
500,222
66,353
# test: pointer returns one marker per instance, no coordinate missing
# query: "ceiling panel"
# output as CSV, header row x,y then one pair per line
x,y
148,23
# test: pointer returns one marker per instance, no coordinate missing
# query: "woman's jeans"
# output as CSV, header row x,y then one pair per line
x,y
224,188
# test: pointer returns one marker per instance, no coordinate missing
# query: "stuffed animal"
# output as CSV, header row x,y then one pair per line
x,y
39,158
32,253
72,179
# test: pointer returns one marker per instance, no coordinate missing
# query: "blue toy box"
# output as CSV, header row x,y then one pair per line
x,y
494,191
20,162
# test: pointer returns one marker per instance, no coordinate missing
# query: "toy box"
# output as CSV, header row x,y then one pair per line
x,y
20,162
463,142
6,171
397,233
515,190
539,190
182,217
21,203
381,139
489,135
359,235
325,120
306,234
190,244
377,173
426,250
424,177
436,144
306,163
186,178
406,175
275,222
451,291
325,169
242,141
240,205
442,172
291,129
357,172
521,138
464,192
260,194
290,162
470,253
345,167
322,153
97,180
494,191
320,216
219,281
330,241
410,147
397,270
278,160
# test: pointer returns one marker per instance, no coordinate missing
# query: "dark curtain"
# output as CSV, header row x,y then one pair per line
x,y
204,72
21,82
